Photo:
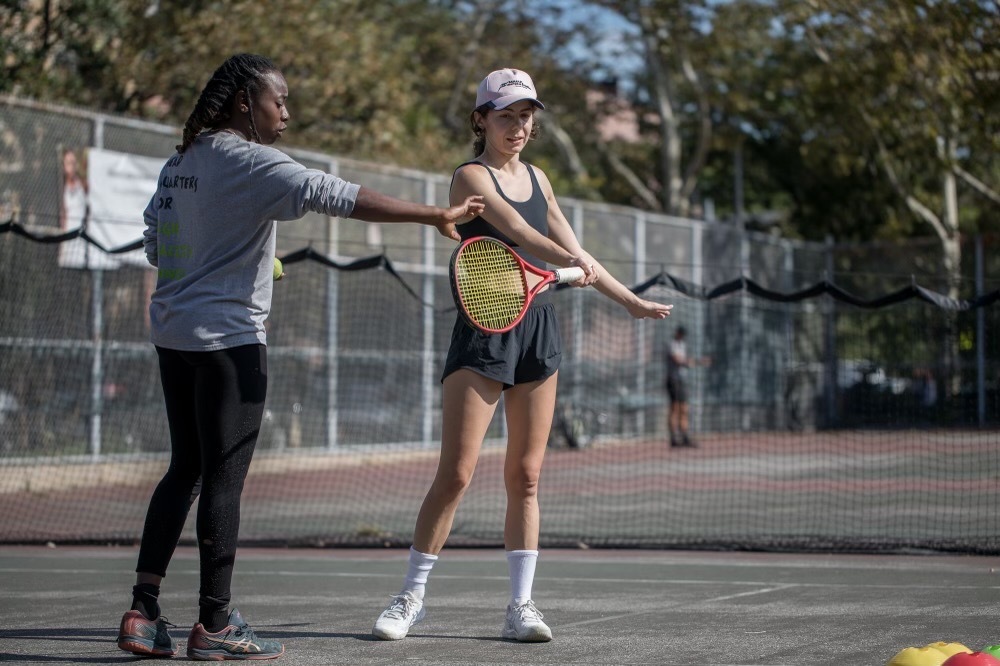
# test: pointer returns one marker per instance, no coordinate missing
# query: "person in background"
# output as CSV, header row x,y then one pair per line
x,y
210,231
678,363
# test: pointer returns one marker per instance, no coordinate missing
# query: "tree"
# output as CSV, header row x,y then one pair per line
x,y
919,79
670,35
63,51
914,77
359,72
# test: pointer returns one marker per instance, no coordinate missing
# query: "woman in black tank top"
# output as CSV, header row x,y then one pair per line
x,y
521,210
534,211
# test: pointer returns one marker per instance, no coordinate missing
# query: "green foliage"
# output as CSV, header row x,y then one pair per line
x,y
61,51
913,75
808,89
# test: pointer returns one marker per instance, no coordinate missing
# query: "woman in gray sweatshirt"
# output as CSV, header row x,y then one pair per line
x,y
210,231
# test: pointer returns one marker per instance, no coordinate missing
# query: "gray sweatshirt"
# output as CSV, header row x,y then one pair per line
x,y
210,229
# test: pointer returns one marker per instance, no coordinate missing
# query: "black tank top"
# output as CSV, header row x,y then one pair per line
x,y
535,212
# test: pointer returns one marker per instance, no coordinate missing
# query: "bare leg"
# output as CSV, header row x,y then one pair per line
x,y
674,420
529,417
469,401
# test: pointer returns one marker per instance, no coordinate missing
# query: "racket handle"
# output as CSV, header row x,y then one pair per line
x,y
571,274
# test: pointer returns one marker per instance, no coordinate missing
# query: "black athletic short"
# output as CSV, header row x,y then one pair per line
x,y
677,389
529,352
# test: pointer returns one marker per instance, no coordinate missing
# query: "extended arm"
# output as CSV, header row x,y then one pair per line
x,y
286,190
561,231
639,308
372,206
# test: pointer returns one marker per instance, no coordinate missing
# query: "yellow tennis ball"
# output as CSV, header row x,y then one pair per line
x,y
279,270
949,649
918,656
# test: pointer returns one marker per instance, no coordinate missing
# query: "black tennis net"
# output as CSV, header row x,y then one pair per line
x,y
823,420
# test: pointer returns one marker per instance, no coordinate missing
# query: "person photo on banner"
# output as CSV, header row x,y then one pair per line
x,y
73,207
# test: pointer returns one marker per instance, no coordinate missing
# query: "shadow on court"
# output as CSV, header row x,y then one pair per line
x,y
62,606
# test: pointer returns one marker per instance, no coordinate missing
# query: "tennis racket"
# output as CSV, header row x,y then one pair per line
x,y
490,283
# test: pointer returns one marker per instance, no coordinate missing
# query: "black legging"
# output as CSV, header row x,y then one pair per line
x,y
215,402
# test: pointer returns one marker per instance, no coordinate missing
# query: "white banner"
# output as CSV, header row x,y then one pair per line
x,y
119,186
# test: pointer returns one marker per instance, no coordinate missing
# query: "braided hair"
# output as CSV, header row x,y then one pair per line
x,y
242,72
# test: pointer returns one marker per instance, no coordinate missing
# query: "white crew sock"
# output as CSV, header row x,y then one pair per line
x,y
419,568
522,574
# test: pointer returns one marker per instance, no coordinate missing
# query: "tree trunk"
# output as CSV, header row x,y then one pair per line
x,y
705,130
670,140
952,249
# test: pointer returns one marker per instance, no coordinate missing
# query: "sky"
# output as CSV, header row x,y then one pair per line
x,y
617,45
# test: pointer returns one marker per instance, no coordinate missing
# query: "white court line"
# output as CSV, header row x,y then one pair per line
x,y
776,588
688,604
618,581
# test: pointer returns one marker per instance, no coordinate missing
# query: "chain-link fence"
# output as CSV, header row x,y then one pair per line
x,y
81,409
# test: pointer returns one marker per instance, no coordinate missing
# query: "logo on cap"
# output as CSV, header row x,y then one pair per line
x,y
504,87
515,82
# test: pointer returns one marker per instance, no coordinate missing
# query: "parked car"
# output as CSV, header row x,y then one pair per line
x,y
855,372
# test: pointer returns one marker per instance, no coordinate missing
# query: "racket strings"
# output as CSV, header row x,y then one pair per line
x,y
491,284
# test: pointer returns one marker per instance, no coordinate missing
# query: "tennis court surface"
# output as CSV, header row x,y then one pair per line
x,y
62,605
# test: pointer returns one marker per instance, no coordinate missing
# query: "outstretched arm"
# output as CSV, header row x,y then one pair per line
x,y
639,308
372,206
561,231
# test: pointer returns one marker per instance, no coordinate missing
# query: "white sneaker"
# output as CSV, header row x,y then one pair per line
x,y
395,621
524,623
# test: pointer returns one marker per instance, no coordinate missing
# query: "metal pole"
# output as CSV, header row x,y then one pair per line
x,y
427,353
641,341
97,330
980,337
738,184
97,363
830,336
332,323
577,356
788,362
699,306
740,224
749,392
